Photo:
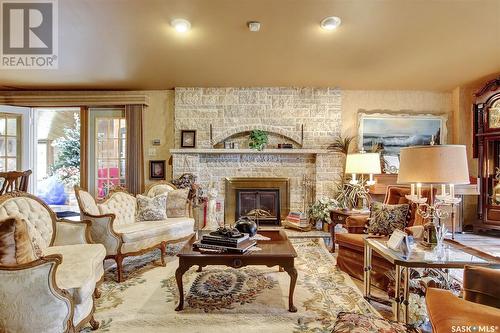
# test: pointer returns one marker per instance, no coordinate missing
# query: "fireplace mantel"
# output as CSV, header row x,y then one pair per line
x,y
295,151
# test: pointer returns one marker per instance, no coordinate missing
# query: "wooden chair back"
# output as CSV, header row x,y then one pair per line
x,y
14,181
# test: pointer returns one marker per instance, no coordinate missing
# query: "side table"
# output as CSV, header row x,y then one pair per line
x,y
339,216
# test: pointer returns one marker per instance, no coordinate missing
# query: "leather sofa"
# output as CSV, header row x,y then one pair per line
x,y
54,293
480,306
350,258
113,224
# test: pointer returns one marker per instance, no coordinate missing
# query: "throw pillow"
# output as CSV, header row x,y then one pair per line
x,y
176,202
384,219
15,243
348,322
151,209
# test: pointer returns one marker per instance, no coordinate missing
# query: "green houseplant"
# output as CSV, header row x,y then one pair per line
x,y
258,139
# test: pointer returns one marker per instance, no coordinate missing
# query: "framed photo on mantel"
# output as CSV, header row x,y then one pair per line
x,y
188,138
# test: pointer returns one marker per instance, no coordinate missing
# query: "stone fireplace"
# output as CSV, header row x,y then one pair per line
x,y
306,118
265,198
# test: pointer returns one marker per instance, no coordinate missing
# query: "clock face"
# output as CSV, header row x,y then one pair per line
x,y
494,115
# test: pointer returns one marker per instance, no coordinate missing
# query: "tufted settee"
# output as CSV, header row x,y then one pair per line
x,y
113,224
54,293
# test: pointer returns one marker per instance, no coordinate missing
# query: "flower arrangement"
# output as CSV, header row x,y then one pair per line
x,y
320,210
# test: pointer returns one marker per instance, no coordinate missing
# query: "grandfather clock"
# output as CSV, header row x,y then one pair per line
x,y
487,149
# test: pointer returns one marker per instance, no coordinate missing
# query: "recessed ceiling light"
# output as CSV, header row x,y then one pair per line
x,y
330,23
181,25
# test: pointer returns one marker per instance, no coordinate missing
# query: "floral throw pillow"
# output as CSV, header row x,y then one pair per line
x,y
350,322
151,209
384,219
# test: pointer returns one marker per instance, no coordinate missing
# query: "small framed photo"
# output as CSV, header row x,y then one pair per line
x,y
188,138
157,170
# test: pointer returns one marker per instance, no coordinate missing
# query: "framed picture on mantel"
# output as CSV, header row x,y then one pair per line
x,y
393,131
188,138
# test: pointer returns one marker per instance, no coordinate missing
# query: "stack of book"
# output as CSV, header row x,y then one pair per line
x,y
298,218
225,244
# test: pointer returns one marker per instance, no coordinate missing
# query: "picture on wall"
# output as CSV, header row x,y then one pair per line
x,y
157,170
393,131
188,138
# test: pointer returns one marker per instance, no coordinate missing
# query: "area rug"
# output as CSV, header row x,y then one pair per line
x,y
221,299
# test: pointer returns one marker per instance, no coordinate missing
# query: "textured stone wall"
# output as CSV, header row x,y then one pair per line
x,y
279,111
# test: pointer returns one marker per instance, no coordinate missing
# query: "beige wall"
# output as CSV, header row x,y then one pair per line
x,y
406,101
159,124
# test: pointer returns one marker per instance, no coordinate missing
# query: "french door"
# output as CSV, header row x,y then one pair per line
x,y
107,150
16,153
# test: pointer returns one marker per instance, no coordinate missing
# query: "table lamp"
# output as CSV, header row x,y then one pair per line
x,y
363,164
444,165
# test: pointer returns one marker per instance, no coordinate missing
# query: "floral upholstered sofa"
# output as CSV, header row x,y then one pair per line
x,y
52,289
114,223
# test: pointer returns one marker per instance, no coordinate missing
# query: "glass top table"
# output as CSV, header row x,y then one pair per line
x,y
450,255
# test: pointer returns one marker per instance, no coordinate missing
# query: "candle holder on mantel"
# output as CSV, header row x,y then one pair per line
x,y
444,165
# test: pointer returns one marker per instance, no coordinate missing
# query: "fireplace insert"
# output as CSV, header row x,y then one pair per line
x,y
261,204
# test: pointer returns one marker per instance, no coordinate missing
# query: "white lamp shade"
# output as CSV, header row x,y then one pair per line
x,y
363,163
442,164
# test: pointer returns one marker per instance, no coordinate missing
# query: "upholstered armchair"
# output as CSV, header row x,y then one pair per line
x,y
480,306
54,293
113,224
351,244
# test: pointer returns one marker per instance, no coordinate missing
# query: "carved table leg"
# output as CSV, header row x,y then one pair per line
x,y
293,280
93,323
178,277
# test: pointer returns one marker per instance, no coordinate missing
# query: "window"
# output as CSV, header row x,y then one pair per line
x,y
10,138
110,152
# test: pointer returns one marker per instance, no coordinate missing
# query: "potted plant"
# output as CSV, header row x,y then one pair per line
x,y
319,212
258,139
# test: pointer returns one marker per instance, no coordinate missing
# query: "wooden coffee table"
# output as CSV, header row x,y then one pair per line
x,y
278,251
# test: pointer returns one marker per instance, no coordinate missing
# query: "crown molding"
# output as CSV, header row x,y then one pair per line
x,y
72,98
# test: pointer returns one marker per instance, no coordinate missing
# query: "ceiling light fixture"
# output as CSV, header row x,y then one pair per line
x,y
253,26
181,25
330,23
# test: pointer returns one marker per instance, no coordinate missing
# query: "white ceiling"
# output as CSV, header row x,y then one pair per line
x,y
382,44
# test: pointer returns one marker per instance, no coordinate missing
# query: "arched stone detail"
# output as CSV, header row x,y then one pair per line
x,y
220,137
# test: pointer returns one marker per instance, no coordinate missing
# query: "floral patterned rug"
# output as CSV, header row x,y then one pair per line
x,y
221,299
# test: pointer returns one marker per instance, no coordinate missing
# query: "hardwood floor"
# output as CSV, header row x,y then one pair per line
x,y
488,243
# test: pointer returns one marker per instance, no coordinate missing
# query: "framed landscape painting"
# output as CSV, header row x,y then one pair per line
x,y
393,131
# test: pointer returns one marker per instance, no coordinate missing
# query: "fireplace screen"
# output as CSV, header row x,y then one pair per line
x,y
263,205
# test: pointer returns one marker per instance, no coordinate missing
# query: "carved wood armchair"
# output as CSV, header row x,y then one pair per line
x,y
14,181
56,292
